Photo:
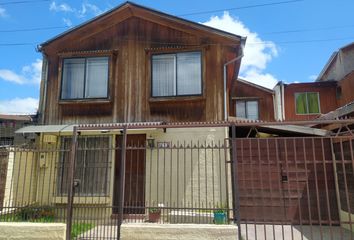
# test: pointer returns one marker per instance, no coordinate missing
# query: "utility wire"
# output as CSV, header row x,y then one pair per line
x,y
306,30
22,2
189,45
31,29
241,7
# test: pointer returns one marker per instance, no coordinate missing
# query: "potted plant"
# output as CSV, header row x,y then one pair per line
x,y
220,216
154,214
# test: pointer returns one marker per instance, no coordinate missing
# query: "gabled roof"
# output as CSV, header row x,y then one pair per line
x,y
134,9
255,85
332,59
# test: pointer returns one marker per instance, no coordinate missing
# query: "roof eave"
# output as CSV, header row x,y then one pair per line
x,y
172,17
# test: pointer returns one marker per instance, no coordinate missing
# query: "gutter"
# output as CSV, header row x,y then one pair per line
x,y
243,41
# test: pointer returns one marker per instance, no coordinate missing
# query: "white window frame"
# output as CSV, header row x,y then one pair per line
x,y
246,108
175,80
307,103
85,78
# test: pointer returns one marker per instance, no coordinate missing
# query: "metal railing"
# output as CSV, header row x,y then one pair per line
x,y
271,188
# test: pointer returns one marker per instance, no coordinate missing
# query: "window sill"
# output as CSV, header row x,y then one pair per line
x,y
177,99
84,200
307,114
85,101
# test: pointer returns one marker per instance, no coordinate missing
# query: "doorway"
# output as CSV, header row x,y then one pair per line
x,y
134,189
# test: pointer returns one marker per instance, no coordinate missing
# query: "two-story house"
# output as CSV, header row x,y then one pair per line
x,y
131,64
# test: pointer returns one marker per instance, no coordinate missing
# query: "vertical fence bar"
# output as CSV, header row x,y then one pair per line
x,y
122,182
235,192
334,165
69,215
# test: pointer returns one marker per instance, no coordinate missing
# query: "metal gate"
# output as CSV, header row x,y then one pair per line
x,y
295,188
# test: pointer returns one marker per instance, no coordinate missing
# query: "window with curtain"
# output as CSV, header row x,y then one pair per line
x,y
177,74
93,166
307,103
85,78
247,109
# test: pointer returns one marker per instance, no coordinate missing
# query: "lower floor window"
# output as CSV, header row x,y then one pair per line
x,y
92,170
247,109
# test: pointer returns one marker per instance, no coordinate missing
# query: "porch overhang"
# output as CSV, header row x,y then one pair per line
x,y
69,128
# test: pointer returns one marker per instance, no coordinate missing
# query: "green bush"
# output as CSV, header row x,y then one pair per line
x,y
36,214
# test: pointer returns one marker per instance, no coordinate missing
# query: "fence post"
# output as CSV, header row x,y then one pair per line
x,y
69,216
234,175
122,182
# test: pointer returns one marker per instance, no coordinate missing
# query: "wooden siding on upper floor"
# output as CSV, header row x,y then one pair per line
x,y
130,44
346,88
327,95
242,90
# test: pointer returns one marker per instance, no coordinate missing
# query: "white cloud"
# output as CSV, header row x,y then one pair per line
x,y
3,12
19,106
313,77
257,53
63,7
260,78
86,9
67,22
89,8
30,74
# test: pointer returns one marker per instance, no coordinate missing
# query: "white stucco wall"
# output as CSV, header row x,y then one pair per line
x,y
28,231
191,172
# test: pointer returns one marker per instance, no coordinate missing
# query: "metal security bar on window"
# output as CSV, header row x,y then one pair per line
x,y
92,167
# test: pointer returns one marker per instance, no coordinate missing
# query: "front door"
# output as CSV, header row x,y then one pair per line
x,y
134,190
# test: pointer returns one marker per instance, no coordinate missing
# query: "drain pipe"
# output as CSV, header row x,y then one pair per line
x,y
225,77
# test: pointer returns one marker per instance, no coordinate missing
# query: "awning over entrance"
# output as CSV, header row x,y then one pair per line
x,y
57,129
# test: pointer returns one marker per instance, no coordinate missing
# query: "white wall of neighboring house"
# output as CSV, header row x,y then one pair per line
x,y
8,196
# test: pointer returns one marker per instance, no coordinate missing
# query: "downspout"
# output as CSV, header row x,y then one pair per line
x,y
44,80
282,101
243,40
274,106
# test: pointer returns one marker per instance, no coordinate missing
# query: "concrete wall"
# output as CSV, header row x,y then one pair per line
x,y
24,184
345,218
192,177
35,231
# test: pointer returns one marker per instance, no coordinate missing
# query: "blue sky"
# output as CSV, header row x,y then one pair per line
x,y
289,41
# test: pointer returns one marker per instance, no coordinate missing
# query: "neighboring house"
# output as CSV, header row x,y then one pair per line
x,y
132,64
304,101
339,65
340,68
9,124
251,101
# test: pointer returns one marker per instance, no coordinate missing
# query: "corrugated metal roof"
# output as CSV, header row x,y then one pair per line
x,y
70,127
339,112
274,127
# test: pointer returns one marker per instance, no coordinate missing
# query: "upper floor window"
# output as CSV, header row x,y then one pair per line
x,y
85,78
177,74
307,103
247,109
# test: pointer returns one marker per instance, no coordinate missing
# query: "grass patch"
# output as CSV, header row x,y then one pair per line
x,y
44,214
30,214
80,228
